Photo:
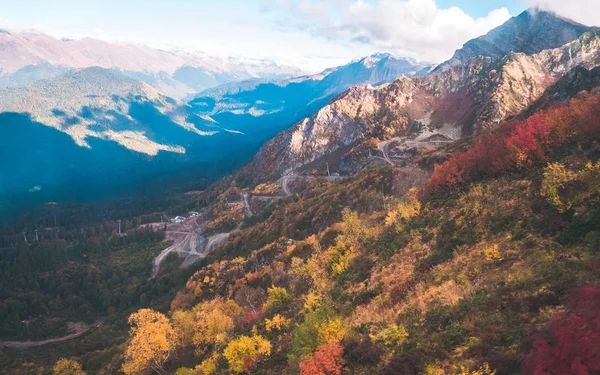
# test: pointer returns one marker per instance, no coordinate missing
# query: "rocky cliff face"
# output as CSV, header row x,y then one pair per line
x,y
575,81
468,96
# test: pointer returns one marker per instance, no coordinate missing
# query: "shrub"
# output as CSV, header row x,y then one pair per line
x,y
331,330
319,327
556,176
339,259
492,253
392,336
481,370
572,343
67,367
187,371
311,302
404,209
207,367
278,297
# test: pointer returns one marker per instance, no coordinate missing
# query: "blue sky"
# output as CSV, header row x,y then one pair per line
x,y
483,7
312,34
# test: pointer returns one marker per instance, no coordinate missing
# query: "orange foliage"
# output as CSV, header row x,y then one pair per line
x,y
326,360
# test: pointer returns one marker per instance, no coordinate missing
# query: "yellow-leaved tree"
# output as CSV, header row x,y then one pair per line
x,y
215,320
153,339
67,367
243,353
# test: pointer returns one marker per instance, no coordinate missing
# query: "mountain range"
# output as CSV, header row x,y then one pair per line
x,y
490,79
260,97
107,127
262,108
119,102
31,55
88,133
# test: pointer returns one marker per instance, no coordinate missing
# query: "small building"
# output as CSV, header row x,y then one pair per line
x,y
194,214
178,219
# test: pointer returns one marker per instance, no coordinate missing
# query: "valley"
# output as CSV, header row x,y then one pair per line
x,y
181,213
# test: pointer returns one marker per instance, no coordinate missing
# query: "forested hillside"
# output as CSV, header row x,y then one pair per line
x,y
491,267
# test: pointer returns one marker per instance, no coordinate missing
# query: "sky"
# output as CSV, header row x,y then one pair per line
x,y
310,34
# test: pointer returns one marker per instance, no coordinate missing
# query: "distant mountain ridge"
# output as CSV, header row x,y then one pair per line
x,y
377,97
91,132
112,126
96,102
174,73
259,97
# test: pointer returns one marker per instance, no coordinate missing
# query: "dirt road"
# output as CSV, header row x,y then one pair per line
x,y
285,180
384,148
77,328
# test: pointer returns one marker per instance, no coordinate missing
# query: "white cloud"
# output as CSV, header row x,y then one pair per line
x,y
6,24
583,11
414,28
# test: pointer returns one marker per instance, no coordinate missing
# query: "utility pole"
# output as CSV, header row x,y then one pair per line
x,y
55,228
119,227
26,322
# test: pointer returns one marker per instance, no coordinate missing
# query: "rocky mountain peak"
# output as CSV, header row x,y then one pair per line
x,y
530,32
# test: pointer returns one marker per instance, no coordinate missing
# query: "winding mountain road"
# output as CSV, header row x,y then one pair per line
x,y
285,180
384,148
78,328
247,205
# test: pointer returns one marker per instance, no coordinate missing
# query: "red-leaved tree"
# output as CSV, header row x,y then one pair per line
x,y
572,343
518,144
326,360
